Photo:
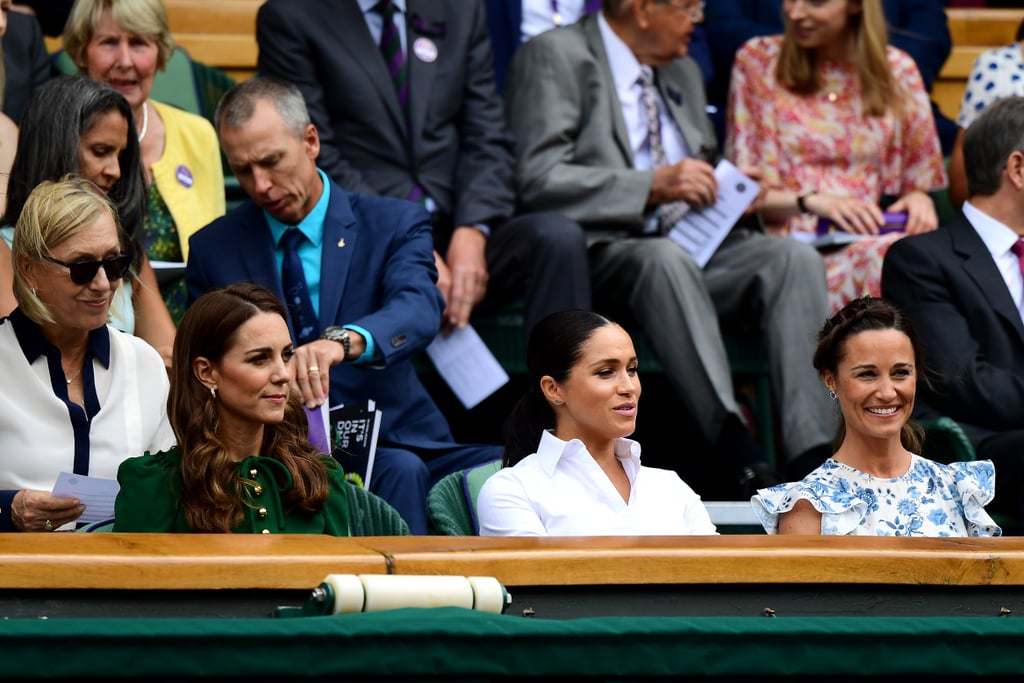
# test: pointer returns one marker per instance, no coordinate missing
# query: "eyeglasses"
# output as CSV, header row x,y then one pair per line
x,y
694,9
83,272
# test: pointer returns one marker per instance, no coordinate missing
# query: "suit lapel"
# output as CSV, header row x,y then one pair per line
x,y
672,94
979,266
340,234
592,31
422,33
354,38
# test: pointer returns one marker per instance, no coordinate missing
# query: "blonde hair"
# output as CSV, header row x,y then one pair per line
x,y
146,18
54,212
798,71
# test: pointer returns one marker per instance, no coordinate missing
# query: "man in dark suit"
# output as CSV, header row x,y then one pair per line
x,y
426,125
26,62
585,147
369,273
963,290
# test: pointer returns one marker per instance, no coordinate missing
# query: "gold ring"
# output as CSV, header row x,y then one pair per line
x,y
313,368
48,525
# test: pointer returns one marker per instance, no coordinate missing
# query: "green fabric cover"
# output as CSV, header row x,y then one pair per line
x,y
945,441
447,508
371,515
457,644
451,502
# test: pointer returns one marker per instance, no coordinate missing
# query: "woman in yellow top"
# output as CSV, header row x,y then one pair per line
x,y
123,43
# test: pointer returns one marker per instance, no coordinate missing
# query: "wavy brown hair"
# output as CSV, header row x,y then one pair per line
x,y
212,490
798,70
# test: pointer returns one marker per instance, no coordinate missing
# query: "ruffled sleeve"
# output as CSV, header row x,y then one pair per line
x,y
842,506
975,486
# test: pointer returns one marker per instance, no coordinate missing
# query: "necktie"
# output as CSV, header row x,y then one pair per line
x,y
668,214
591,6
394,57
1018,251
296,291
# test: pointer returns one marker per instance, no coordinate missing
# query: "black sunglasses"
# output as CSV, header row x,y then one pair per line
x,y
83,272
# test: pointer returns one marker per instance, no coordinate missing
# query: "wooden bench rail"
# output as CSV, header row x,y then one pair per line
x,y
183,562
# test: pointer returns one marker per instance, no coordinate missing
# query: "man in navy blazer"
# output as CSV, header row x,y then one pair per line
x,y
448,147
963,289
370,272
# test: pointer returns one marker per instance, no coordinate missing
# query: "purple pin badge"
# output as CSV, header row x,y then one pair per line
x,y
184,176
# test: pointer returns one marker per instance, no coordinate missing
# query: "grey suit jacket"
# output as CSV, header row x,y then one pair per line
x,y
969,328
572,149
456,147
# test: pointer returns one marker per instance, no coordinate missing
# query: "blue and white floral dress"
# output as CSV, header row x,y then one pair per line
x,y
931,499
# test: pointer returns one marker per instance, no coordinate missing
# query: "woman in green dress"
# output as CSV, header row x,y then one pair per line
x,y
243,462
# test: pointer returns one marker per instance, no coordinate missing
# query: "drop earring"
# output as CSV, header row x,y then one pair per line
x,y
213,392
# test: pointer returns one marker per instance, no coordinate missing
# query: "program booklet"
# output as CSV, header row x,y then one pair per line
x,y
354,428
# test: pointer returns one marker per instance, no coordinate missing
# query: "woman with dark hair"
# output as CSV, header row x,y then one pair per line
x,y
584,477
876,483
75,125
243,462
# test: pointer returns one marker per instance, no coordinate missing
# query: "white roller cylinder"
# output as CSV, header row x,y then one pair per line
x,y
390,591
488,594
375,592
349,596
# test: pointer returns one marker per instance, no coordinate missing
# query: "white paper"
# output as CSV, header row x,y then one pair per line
x,y
700,231
467,365
167,271
95,493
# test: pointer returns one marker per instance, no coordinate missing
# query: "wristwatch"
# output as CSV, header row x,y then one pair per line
x,y
340,335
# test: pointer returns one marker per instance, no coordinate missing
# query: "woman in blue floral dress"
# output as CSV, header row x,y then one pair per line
x,y
876,484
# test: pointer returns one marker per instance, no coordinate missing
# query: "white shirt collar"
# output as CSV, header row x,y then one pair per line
x,y
624,65
998,237
552,449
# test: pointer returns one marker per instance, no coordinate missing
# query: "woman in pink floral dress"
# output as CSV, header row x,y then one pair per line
x,y
837,120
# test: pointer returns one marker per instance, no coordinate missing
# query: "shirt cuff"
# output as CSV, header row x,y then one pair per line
x,y
483,228
370,354
6,500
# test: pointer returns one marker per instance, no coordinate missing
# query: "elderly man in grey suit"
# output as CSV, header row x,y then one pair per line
x,y
577,102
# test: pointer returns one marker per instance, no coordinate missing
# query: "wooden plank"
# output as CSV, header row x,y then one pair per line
x,y
178,561
220,17
727,559
983,26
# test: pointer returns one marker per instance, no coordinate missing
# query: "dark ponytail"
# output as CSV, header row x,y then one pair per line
x,y
555,346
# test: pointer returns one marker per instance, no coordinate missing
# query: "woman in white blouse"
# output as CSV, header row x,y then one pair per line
x,y
584,477
79,396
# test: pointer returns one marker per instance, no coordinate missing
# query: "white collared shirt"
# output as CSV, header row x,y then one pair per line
x,y
626,72
538,15
998,239
561,491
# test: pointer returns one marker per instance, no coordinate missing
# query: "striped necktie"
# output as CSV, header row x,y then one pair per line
x,y
668,214
394,56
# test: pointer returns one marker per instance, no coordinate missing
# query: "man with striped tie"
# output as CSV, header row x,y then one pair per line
x,y
402,92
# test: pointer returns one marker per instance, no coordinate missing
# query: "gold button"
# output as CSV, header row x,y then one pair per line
x,y
253,472
263,513
266,531
258,490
